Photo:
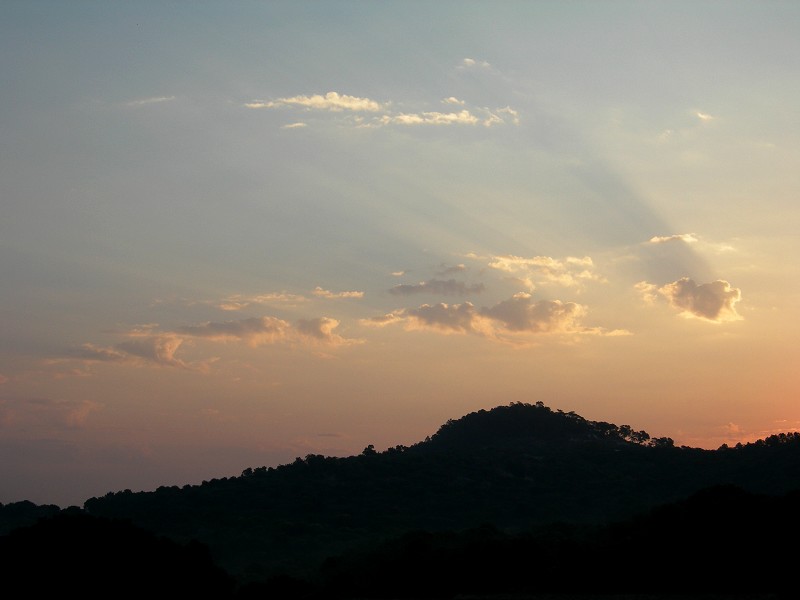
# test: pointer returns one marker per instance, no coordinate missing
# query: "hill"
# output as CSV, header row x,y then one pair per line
x,y
515,467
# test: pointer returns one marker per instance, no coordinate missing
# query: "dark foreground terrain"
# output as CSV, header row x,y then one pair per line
x,y
516,502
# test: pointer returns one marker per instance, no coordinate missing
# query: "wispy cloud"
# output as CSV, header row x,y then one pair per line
x,y
259,331
688,238
715,301
146,101
703,116
332,101
358,107
323,293
141,348
463,117
32,412
471,63
239,301
449,287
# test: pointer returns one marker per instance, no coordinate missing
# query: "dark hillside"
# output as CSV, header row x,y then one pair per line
x,y
515,467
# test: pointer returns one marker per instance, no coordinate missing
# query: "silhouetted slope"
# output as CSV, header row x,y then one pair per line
x,y
92,557
515,467
722,541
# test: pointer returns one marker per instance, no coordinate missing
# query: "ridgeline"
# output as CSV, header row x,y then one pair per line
x,y
509,471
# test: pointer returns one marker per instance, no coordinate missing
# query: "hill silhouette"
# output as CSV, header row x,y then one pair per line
x,y
516,467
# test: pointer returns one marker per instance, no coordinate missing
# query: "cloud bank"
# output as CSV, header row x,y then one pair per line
x,y
506,321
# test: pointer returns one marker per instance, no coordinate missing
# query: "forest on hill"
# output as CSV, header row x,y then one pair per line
x,y
512,490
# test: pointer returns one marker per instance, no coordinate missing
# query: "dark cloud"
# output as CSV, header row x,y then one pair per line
x,y
715,301
448,287
254,331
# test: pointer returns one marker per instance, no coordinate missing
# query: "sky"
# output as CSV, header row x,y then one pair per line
x,y
234,233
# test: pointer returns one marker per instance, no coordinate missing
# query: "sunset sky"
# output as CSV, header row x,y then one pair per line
x,y
237,233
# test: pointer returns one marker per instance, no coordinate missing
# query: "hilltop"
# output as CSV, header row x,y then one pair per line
x,y
515,467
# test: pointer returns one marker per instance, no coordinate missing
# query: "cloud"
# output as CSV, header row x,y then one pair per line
x,y
460,318
569,272
715,301
449,270
364,111
153,100
463,117
704,116
332,101
3,379
238,301
321,330
158,349
255,331
259,331
520,313
398,273
31,412
688,238
144,347
471,63
318,291
511,112
449,287
383,320
506,321
92,353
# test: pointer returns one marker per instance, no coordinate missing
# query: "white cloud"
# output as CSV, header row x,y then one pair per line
x,y
335,102
688,238
322,293
704,116
715,301
463,117
332,101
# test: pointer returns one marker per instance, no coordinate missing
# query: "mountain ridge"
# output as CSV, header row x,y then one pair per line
x,y
516,467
